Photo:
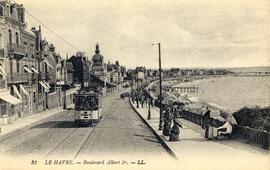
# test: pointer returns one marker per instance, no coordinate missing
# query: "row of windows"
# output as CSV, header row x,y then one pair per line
x,y
10,37
10,10
18,39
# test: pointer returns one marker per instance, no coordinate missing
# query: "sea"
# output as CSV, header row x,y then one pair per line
x,y
233,93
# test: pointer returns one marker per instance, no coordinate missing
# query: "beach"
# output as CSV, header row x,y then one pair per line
x,y
232,93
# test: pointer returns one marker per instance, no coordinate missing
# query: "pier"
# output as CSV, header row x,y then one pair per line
x,y
186,89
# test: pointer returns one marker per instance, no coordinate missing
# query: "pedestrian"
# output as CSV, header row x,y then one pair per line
x,y
151,101
137,100
203,111
175,132
132,95
146,101
142,99
167,122
167,127
206,122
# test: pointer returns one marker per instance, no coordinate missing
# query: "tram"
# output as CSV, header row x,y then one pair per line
x,y
87,108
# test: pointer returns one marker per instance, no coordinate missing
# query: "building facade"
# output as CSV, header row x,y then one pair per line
x,y
27,67
18,61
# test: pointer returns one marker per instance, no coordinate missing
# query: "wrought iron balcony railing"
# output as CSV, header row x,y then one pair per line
x,y
16,49
18,77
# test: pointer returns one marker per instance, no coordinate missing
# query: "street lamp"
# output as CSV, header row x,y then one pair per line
x,y
149,109
65,86
160,90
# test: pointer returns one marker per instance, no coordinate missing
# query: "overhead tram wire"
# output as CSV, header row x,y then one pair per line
x,y
49,29
128,47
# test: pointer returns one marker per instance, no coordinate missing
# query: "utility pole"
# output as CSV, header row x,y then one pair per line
x,y
65,85
149,108
160,91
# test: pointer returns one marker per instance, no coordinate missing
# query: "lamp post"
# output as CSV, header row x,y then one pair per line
x,y
65,86
149,109
160,90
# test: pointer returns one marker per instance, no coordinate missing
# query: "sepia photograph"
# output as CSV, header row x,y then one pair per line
x,y
137,84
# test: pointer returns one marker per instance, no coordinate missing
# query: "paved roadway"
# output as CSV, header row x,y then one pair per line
x,y
120,133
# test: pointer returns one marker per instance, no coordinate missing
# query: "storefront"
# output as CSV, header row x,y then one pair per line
x,y
9,109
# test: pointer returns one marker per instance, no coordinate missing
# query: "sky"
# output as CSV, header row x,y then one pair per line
x,y
218,33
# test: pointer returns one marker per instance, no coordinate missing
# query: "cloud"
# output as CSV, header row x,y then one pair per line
x,y
191,33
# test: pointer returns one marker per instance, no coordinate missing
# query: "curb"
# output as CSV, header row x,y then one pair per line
x,y
166,147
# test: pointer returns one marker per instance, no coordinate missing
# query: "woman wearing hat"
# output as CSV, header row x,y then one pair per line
x,y
175,132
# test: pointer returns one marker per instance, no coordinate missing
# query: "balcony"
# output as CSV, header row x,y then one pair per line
x,y
31,51
18,77
16,49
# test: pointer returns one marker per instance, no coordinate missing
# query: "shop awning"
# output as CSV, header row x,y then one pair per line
x,y
47,62
2,71
34,70
47,84
23,90
27,69
44,86
10,99
17,92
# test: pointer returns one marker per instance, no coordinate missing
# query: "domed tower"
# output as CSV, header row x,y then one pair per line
x,y
98,74
97,59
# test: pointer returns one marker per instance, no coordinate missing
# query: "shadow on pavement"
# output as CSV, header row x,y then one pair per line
x,y
145,136
56,124
194,139
151,140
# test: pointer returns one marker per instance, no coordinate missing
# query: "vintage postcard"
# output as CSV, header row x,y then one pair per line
x,y
116,84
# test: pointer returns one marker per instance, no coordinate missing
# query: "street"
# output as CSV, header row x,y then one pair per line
x,y
120,133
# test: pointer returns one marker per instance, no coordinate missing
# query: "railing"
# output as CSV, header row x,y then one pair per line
x,y
18,77
248,135
252,136
16,48
198,119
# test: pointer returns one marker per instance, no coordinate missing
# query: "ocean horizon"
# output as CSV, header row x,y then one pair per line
x,y
233,93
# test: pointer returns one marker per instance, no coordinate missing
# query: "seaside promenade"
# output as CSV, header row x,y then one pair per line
x,y
194,151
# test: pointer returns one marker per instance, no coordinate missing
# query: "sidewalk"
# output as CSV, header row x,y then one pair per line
x,y
195,151
24,122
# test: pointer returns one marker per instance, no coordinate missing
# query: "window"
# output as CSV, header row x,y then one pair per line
x,y
1,41
32,47
11,10
10,36
17,38
18,66
8,10
1,11
46,68
34,97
